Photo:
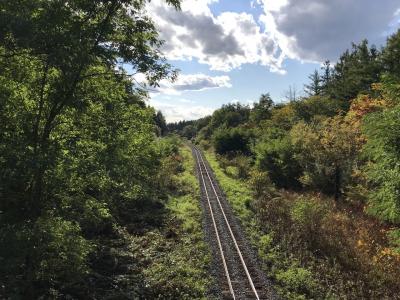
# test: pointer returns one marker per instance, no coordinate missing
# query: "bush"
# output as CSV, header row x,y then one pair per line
x,y
327,152
394,239
276,156
231,140
308,214
297,279
236,167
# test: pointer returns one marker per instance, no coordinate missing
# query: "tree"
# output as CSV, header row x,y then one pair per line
x,y
313,107
326,151
161,124
391,55
262,109
354,73
314,88
230,115
88,33
231,140
326,76
189,131
284,116
382,148
77,141
291,94
275,155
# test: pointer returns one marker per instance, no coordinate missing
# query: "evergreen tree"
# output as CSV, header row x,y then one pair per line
x,y
354,73
391,55
326,77
161,124
314,88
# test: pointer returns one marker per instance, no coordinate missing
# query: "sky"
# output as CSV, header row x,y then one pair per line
x,y
234,50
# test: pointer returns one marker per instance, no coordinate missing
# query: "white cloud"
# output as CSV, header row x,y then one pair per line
x,y
315,30
273,5
194,82
187,82
307,30
175,112
223,42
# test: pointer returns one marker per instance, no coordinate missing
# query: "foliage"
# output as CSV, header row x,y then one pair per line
x,y
354,73
78,148
179,265
262,109
275,155
394,239
315,87
297,279
327,152
382,149
391,55
161,124
230,115
284,116
231,140
316,106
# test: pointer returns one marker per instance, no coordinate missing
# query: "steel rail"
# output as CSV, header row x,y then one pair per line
x,y
215,228
229,227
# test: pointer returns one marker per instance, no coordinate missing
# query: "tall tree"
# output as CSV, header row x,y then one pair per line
x,y
262,109
391,55
161,124
354,73
326,76
314,88
67,39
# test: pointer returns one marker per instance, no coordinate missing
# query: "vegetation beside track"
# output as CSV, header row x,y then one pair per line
x,y
170,259
311,247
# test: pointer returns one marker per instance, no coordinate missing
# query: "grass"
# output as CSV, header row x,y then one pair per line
x,y
179,266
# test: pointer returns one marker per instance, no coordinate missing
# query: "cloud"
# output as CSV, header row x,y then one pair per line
x,y
306,30
315,30
223,42
175,112
194,82
188,82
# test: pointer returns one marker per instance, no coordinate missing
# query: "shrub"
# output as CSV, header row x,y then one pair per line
x,y
276,156
308,214
231,140
394,239
297,279
327,152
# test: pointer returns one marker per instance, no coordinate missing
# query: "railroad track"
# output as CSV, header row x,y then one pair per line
x,y
237,271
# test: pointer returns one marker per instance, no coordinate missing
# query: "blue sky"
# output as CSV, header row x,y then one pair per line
x,y
234,50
